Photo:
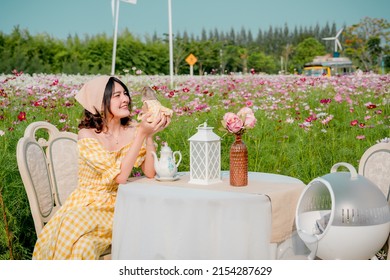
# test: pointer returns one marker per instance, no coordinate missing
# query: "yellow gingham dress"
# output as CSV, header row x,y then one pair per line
x,y
82,227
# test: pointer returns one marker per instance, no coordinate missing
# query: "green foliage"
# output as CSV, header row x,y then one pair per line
x,y
306,51
262,63
17,233
217,52
367,41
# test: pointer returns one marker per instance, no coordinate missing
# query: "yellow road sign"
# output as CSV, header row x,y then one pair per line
x,y
191,59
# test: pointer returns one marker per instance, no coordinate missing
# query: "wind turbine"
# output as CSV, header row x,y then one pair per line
x,y
336,40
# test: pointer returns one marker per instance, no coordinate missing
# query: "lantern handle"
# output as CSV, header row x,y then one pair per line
x,y
351,169
203,124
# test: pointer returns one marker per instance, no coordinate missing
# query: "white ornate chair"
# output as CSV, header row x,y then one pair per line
x,y
48,168
48,164
375,165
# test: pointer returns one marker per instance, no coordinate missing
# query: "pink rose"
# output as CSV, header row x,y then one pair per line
x,y
232,122
248,117
250,121
244,111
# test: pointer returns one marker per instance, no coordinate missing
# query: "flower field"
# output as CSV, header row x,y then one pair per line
x,y
304,125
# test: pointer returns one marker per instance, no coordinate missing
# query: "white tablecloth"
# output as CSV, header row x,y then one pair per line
x,y
177,220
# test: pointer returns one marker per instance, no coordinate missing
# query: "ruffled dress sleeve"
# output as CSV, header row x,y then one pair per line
x,y
102,161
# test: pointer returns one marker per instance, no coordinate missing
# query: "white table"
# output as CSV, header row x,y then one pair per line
x,y
178,220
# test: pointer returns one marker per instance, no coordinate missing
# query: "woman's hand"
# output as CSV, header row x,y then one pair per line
x,y
151,128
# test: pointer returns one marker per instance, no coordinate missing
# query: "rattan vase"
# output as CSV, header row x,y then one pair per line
x,y
238,163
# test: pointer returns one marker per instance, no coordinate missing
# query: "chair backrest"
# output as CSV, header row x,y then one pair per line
x,y
375,165
48,164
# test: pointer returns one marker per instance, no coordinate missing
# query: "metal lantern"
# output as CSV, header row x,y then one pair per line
x,y
205,156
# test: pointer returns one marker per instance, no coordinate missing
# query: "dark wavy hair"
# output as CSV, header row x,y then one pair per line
x,y
98,120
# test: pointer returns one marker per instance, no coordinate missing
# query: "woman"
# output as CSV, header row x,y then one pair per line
x,y
110,145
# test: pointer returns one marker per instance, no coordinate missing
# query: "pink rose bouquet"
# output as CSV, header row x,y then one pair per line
x,y
238,123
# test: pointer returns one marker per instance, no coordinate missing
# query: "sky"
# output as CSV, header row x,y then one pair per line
x,y
60,18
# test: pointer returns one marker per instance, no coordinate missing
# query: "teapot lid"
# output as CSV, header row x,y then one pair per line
x,y
166,148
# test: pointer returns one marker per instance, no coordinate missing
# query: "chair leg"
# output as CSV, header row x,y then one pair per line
x,y
105,257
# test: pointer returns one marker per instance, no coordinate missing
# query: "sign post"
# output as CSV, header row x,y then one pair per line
x,y
191,60
170,41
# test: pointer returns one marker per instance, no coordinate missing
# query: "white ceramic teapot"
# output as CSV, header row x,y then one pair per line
x,y
166,166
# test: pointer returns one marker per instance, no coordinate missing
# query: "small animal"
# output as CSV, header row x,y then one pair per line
x,y
151,104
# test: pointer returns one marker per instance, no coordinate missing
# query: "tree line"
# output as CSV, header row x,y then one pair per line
x,y
271,51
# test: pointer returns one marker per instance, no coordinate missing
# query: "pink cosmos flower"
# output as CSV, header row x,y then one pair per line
x,y
338,98
22,116
311,118
55,82
325,101
369,105
249,103
354,122
360,137
327,119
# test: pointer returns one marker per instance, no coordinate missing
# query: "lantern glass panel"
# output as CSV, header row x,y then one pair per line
x,y
214,166
205,156
198,160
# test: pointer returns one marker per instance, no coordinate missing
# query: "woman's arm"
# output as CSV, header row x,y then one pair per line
x,y
145,132
148,165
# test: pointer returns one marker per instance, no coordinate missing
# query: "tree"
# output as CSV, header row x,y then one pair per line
x,y
305,52
98,54
364,41
179,54
229,51
243,53
286,53
262,63
374,48
204,35
234,60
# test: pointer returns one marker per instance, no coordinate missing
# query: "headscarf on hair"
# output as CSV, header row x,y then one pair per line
x,y
90,96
